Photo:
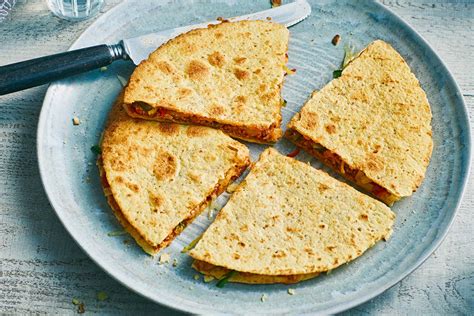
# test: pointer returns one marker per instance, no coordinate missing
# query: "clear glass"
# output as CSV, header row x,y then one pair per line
x,y
75,10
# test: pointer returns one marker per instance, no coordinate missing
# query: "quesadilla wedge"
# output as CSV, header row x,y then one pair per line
x,y
287,222
158,177
372,124
226,76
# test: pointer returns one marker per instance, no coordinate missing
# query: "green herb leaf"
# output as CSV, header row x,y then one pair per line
x,y
191,244
116,233
102,296
144,106
222,282
96,149
337,73
283,103
75,301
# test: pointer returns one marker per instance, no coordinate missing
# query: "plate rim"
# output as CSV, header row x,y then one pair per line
x,y
335,309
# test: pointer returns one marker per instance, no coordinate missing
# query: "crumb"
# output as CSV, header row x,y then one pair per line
x,y
75,120
175,263
263,298
81,308
75,301
103,68
269,18
275,3
208,278
196,277
164,258
335,40
291,291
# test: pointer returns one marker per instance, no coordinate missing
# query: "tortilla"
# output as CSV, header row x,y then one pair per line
x,y
226,76
288,219
159,176
372,124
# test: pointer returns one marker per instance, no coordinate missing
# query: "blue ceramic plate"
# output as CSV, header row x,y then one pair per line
x,y
71,180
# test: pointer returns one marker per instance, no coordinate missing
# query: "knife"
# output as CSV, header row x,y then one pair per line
x,y
35,72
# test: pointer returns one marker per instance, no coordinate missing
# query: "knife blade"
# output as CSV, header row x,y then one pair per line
x,y
138,48
35,72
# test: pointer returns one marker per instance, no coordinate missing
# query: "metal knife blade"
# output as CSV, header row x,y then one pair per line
x,y
138,48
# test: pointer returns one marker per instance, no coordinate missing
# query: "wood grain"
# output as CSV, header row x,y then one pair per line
x,y
41,267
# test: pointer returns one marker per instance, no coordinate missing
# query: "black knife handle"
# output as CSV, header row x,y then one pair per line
x,y
35,72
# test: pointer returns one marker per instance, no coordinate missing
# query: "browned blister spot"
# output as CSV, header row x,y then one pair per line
x,y
236,256
309,119
309,251
168,128
279,254
364,217
218,35
216,59
196,70
133,187
330,128
216,109
164,67
195,131
183,92
241,74
239,60
165,166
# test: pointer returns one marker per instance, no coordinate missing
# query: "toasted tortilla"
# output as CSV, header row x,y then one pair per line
x,y
226,76
288,219
372,124
159,176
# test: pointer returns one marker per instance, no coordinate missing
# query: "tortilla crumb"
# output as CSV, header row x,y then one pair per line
x,y
197,277
75,120
165,258
263,298
81,308
291,291
335,40
275,3
208,278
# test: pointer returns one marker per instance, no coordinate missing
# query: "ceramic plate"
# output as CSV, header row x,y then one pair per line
x,y
71,179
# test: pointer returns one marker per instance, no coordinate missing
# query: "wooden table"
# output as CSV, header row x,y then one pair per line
x,y
42,268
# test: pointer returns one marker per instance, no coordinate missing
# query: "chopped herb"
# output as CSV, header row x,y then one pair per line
x,y
191,244
222,282
337,73
144,106
283,103
348,55
196,277
102,296
175,263
116,233
75,301
96,149
103,68
208,278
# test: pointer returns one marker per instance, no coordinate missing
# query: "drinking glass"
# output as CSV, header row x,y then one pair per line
x,y
75,10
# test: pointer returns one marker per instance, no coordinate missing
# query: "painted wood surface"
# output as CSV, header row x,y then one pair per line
x,y
41,267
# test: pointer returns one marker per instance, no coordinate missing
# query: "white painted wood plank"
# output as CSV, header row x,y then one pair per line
x,y
42,269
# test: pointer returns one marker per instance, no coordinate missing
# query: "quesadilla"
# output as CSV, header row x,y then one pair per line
x,y
287,222
372,124
226,76
159,176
